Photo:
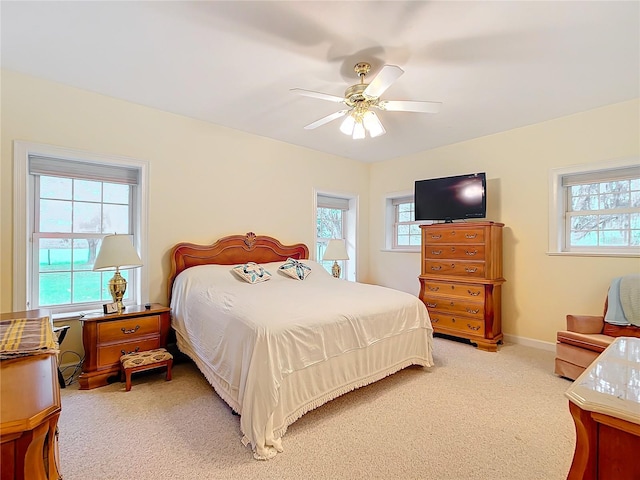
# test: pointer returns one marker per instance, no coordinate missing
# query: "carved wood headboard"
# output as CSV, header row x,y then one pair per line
x,y
232,250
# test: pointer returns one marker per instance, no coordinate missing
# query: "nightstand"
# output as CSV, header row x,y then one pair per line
x,y
107,337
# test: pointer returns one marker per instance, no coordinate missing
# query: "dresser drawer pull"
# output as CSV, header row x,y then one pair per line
x,y
436,252
471,310
470,235
471,269
439,267
474,294
132,351
471,254
433,289
130,330
477,327
436,237
435,320
431,305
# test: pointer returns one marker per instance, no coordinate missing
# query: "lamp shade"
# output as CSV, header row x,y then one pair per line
x,y
336,250
117,251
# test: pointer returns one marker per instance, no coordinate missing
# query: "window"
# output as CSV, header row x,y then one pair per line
x,y
336,217
596,210
403,231
406,231
69,204
330,223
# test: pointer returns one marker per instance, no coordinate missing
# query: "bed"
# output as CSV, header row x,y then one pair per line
x,y
274,350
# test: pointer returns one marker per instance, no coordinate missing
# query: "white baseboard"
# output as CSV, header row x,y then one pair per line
x,y
530,342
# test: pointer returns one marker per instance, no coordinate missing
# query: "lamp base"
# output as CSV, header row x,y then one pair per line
x,y
335,269
117,287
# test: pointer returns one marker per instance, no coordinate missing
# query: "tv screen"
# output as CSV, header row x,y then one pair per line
x,y
451,198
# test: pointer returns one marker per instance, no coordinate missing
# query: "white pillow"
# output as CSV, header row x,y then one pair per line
x,y
295,269
252,272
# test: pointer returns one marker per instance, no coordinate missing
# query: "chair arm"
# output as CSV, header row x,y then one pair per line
x,y
585,323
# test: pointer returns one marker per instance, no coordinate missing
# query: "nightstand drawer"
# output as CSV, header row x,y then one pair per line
x,y
454,322
128,329
110,355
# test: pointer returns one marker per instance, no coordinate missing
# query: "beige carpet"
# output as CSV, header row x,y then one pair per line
x,y
475,415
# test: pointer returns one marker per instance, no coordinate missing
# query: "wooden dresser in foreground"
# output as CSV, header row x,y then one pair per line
x,y
461,280
107,337
29,409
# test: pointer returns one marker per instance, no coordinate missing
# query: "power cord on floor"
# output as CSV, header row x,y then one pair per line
x,y
76,366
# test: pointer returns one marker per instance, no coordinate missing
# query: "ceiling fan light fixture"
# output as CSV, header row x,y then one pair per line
x,y
358,131
347,125
362,97
373,125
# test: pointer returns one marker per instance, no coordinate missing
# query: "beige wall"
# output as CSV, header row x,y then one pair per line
x,y
205,180
197,169
540,289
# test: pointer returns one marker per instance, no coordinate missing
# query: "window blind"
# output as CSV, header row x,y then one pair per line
x,y
337,203
401,200
598,176
61,167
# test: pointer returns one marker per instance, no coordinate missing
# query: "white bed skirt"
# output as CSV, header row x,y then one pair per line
x,y
306,389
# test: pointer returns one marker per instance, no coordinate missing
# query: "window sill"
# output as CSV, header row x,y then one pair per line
x,y
401,250
595,254
67,316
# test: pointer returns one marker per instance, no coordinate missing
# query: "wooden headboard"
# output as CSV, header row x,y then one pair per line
x,y
232,250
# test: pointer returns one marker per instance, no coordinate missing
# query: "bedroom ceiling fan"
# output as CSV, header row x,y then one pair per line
x,y
362,98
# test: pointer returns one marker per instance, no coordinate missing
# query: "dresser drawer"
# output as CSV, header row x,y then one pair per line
x,y
457,252
454,235
464,324
110,355
454,305
128,329
454,289
460,269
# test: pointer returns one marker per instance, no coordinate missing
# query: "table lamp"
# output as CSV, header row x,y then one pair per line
x,y
336,250
117,252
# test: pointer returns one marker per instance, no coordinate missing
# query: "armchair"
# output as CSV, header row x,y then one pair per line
x,y
586,337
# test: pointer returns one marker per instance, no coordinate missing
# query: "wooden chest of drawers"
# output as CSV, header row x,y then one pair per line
x,y
107,337
461,279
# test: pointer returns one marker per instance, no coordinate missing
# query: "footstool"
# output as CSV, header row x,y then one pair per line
x,y
139,361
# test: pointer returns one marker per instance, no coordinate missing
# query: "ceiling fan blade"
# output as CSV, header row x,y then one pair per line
x,y
387,75
409,106
327,119
321,96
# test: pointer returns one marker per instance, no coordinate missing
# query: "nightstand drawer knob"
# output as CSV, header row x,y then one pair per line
x,y
130,330
132,351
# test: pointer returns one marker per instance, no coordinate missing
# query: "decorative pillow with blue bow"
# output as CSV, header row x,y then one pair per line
x,y
295,269
252,272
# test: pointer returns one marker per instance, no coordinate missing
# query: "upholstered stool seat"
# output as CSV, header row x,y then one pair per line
x,y
150,359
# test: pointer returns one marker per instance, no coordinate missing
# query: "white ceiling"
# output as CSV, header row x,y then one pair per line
x,y
493,65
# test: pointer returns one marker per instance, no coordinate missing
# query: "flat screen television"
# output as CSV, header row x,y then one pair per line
x,y
451,198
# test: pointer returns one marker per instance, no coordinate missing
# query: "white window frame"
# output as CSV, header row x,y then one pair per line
x,y
391,202
558,198
23,218
350,221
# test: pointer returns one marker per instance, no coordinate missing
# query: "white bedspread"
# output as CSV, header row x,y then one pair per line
x,y
251,340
